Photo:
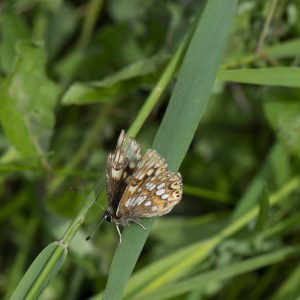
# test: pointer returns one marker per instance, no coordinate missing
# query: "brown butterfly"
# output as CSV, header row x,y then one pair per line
x,y
138,186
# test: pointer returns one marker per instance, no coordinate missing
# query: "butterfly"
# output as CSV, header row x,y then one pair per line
x,y
138,186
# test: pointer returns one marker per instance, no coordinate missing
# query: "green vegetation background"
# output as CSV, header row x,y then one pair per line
x,y
213,87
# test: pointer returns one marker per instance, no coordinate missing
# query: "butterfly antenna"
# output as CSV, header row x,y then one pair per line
x,y
73,189
95,230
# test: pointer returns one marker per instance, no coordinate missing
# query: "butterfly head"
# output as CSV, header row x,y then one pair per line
x,y
107,216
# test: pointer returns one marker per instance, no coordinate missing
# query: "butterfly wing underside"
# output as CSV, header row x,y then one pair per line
x,y
152,189
120,166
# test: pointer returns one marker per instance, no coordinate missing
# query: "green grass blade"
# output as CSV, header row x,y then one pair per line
x,y
289,48
126,80
38,276
208,194
285,49
264,206
180,262
196,282
290,288
94,8
159,88
49,261
182,117
281,76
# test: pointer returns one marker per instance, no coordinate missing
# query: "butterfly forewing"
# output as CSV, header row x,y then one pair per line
x,y
152,190
120,167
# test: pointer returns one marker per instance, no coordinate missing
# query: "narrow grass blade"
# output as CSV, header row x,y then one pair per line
x,y
282,76
49,261
264,206
290,48
180,122
196,282
37,277
209,194
112,86
290,288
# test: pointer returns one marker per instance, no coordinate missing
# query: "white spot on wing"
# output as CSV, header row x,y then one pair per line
x,y
141,176
116,173
139,200
151,187
132,165
150,172
161,186
160,192
132,188
128,202
148,203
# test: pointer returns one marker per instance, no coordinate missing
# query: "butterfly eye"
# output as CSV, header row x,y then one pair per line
x,y
108,217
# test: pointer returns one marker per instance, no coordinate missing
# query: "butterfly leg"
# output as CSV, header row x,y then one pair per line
x,y
119,233
138,223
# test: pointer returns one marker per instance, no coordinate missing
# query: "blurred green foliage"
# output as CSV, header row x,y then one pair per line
x,y
73,74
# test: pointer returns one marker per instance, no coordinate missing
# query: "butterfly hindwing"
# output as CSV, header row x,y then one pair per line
x,y
152,189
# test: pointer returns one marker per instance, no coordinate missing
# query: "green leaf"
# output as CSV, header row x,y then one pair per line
x,y
284,76
122,82
37,278
186,107
27,100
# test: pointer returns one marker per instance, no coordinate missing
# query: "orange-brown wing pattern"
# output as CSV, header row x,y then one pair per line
x,y
152,189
